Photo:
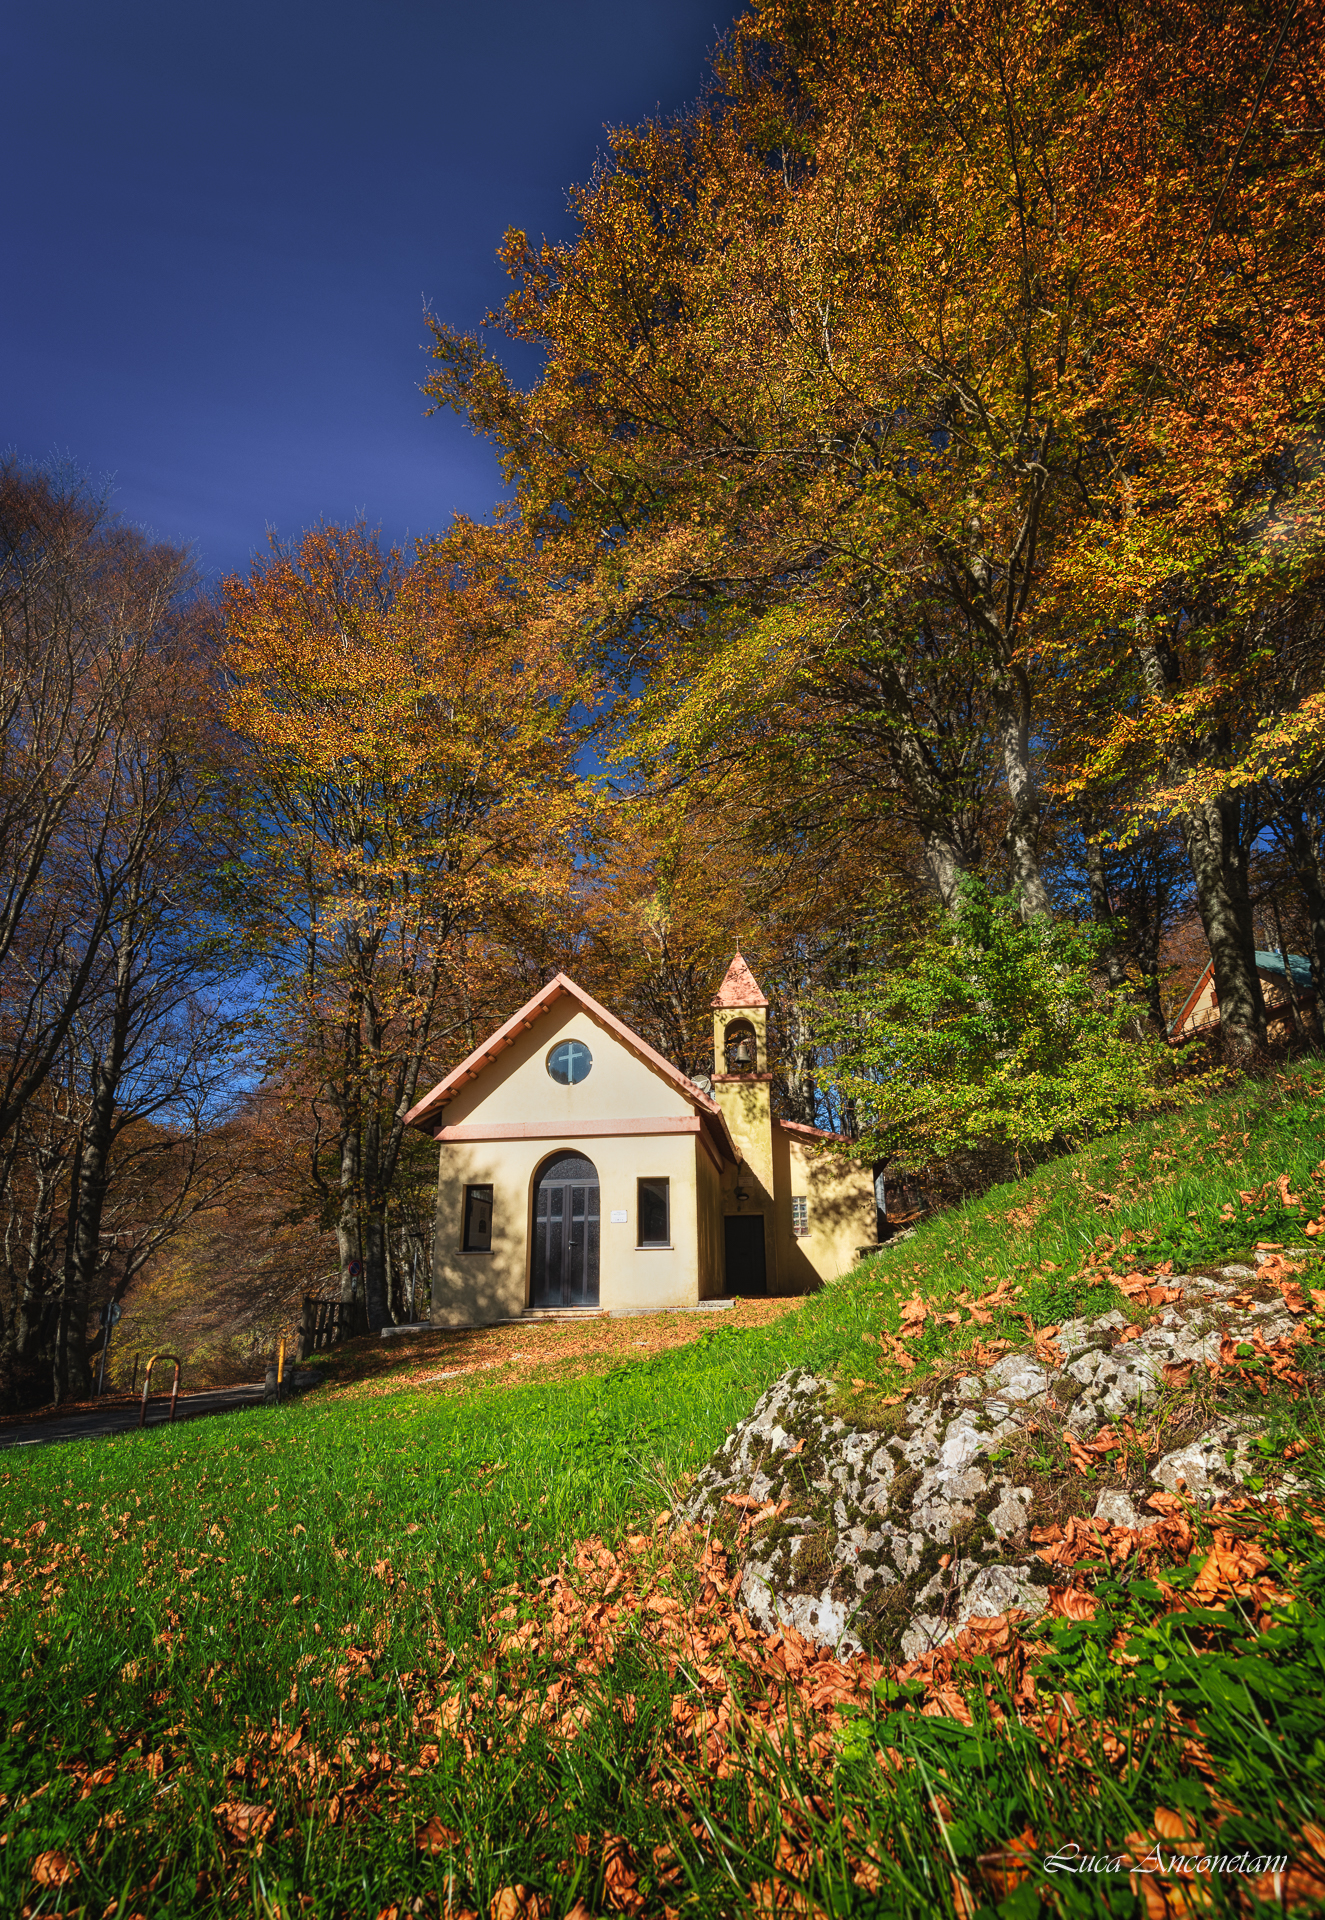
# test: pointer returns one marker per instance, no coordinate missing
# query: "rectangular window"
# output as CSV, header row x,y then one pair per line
x,y
478,1220
655,1213
800,1215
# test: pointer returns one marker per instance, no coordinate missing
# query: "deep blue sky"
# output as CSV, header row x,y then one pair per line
x,y
223,223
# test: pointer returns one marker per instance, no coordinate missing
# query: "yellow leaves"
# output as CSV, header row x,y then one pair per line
x,y
420,680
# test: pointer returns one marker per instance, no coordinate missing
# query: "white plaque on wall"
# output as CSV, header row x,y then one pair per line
x,y
619,1216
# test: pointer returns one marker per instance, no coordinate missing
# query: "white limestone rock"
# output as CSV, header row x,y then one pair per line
x,y
855,1524
1117,1509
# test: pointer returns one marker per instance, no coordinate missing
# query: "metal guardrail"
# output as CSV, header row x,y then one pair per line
x,y
147,1382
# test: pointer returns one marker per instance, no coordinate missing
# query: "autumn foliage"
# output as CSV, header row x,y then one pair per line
x,y
404,768
947,382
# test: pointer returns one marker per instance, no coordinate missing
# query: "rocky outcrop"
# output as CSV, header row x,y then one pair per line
x,y
890,1534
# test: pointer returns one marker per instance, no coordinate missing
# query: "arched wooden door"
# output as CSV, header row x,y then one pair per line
x,y
564,1269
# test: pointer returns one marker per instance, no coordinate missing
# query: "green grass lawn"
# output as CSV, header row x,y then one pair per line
x,y
269,1614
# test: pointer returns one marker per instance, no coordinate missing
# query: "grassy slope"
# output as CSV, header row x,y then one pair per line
x,y
330,1567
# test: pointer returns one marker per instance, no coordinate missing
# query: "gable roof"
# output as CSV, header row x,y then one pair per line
x,y
561,986
739,988
1273,964
1268,964
1198,988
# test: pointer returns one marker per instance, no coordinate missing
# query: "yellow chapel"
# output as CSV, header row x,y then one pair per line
x,y
579,1169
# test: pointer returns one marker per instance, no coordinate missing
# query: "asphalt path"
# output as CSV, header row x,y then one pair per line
x,y
121,1416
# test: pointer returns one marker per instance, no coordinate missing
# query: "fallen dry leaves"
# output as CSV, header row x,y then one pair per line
x,y
54,1869
1164,1856
517,1903
739,1693
244,1820
434,1836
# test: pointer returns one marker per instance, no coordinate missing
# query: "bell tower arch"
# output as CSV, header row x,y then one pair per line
x,y
740,1013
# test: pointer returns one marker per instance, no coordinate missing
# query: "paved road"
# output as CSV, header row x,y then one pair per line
x,y
121,1416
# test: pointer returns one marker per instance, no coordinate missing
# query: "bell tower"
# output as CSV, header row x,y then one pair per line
x,y
742,1084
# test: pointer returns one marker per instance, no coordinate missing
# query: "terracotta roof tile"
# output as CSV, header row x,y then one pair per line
x,y
739,988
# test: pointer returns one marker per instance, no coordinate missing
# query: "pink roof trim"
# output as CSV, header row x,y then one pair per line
x,y
806,1132
739,988
1193,997
519,1022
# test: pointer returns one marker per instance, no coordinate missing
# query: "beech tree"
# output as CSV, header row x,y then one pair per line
x,y
404,729
816,400
89,610
948,349
1188,631
113,1047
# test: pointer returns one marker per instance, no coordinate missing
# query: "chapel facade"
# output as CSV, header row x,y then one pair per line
x,y
580,1169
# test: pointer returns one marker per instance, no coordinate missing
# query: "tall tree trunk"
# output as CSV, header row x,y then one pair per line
x,y
347,1222
59,1344
374,1270
1305,852
1012,705
943,857
1209,834
930,796
1101,908
797,1065
1218,862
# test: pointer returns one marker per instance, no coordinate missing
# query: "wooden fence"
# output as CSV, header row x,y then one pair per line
x,y
324,1322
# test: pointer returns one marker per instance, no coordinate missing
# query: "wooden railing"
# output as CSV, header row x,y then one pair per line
x,y
324,1322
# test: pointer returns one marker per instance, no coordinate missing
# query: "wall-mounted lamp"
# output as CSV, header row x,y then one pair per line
x,y
742,1194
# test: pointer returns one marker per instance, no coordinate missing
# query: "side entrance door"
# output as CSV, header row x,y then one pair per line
x,y
743,1234
564,1269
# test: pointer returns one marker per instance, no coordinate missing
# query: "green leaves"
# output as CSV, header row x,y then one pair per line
x,y
987,1031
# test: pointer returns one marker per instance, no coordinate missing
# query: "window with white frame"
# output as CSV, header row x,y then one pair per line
x,y
800,1215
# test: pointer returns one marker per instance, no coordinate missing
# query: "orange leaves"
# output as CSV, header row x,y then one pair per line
x,y
1086,1454
1071,1604
1170,1863
1230,1567
1260,1363
1140,1287
984,1353
243,1820
1007,1867
914,1314
436,1837
518,1903
54,1869
1047,1350
620,1881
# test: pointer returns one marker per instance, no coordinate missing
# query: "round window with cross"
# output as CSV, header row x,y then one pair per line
x,y
569,1062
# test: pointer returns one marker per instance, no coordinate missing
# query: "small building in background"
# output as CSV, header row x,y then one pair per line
x,y
580,1169
1200,1010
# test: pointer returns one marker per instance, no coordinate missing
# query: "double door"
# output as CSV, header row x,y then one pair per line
x,y
564,1269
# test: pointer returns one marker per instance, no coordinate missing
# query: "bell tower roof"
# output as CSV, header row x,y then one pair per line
x,y
739,988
